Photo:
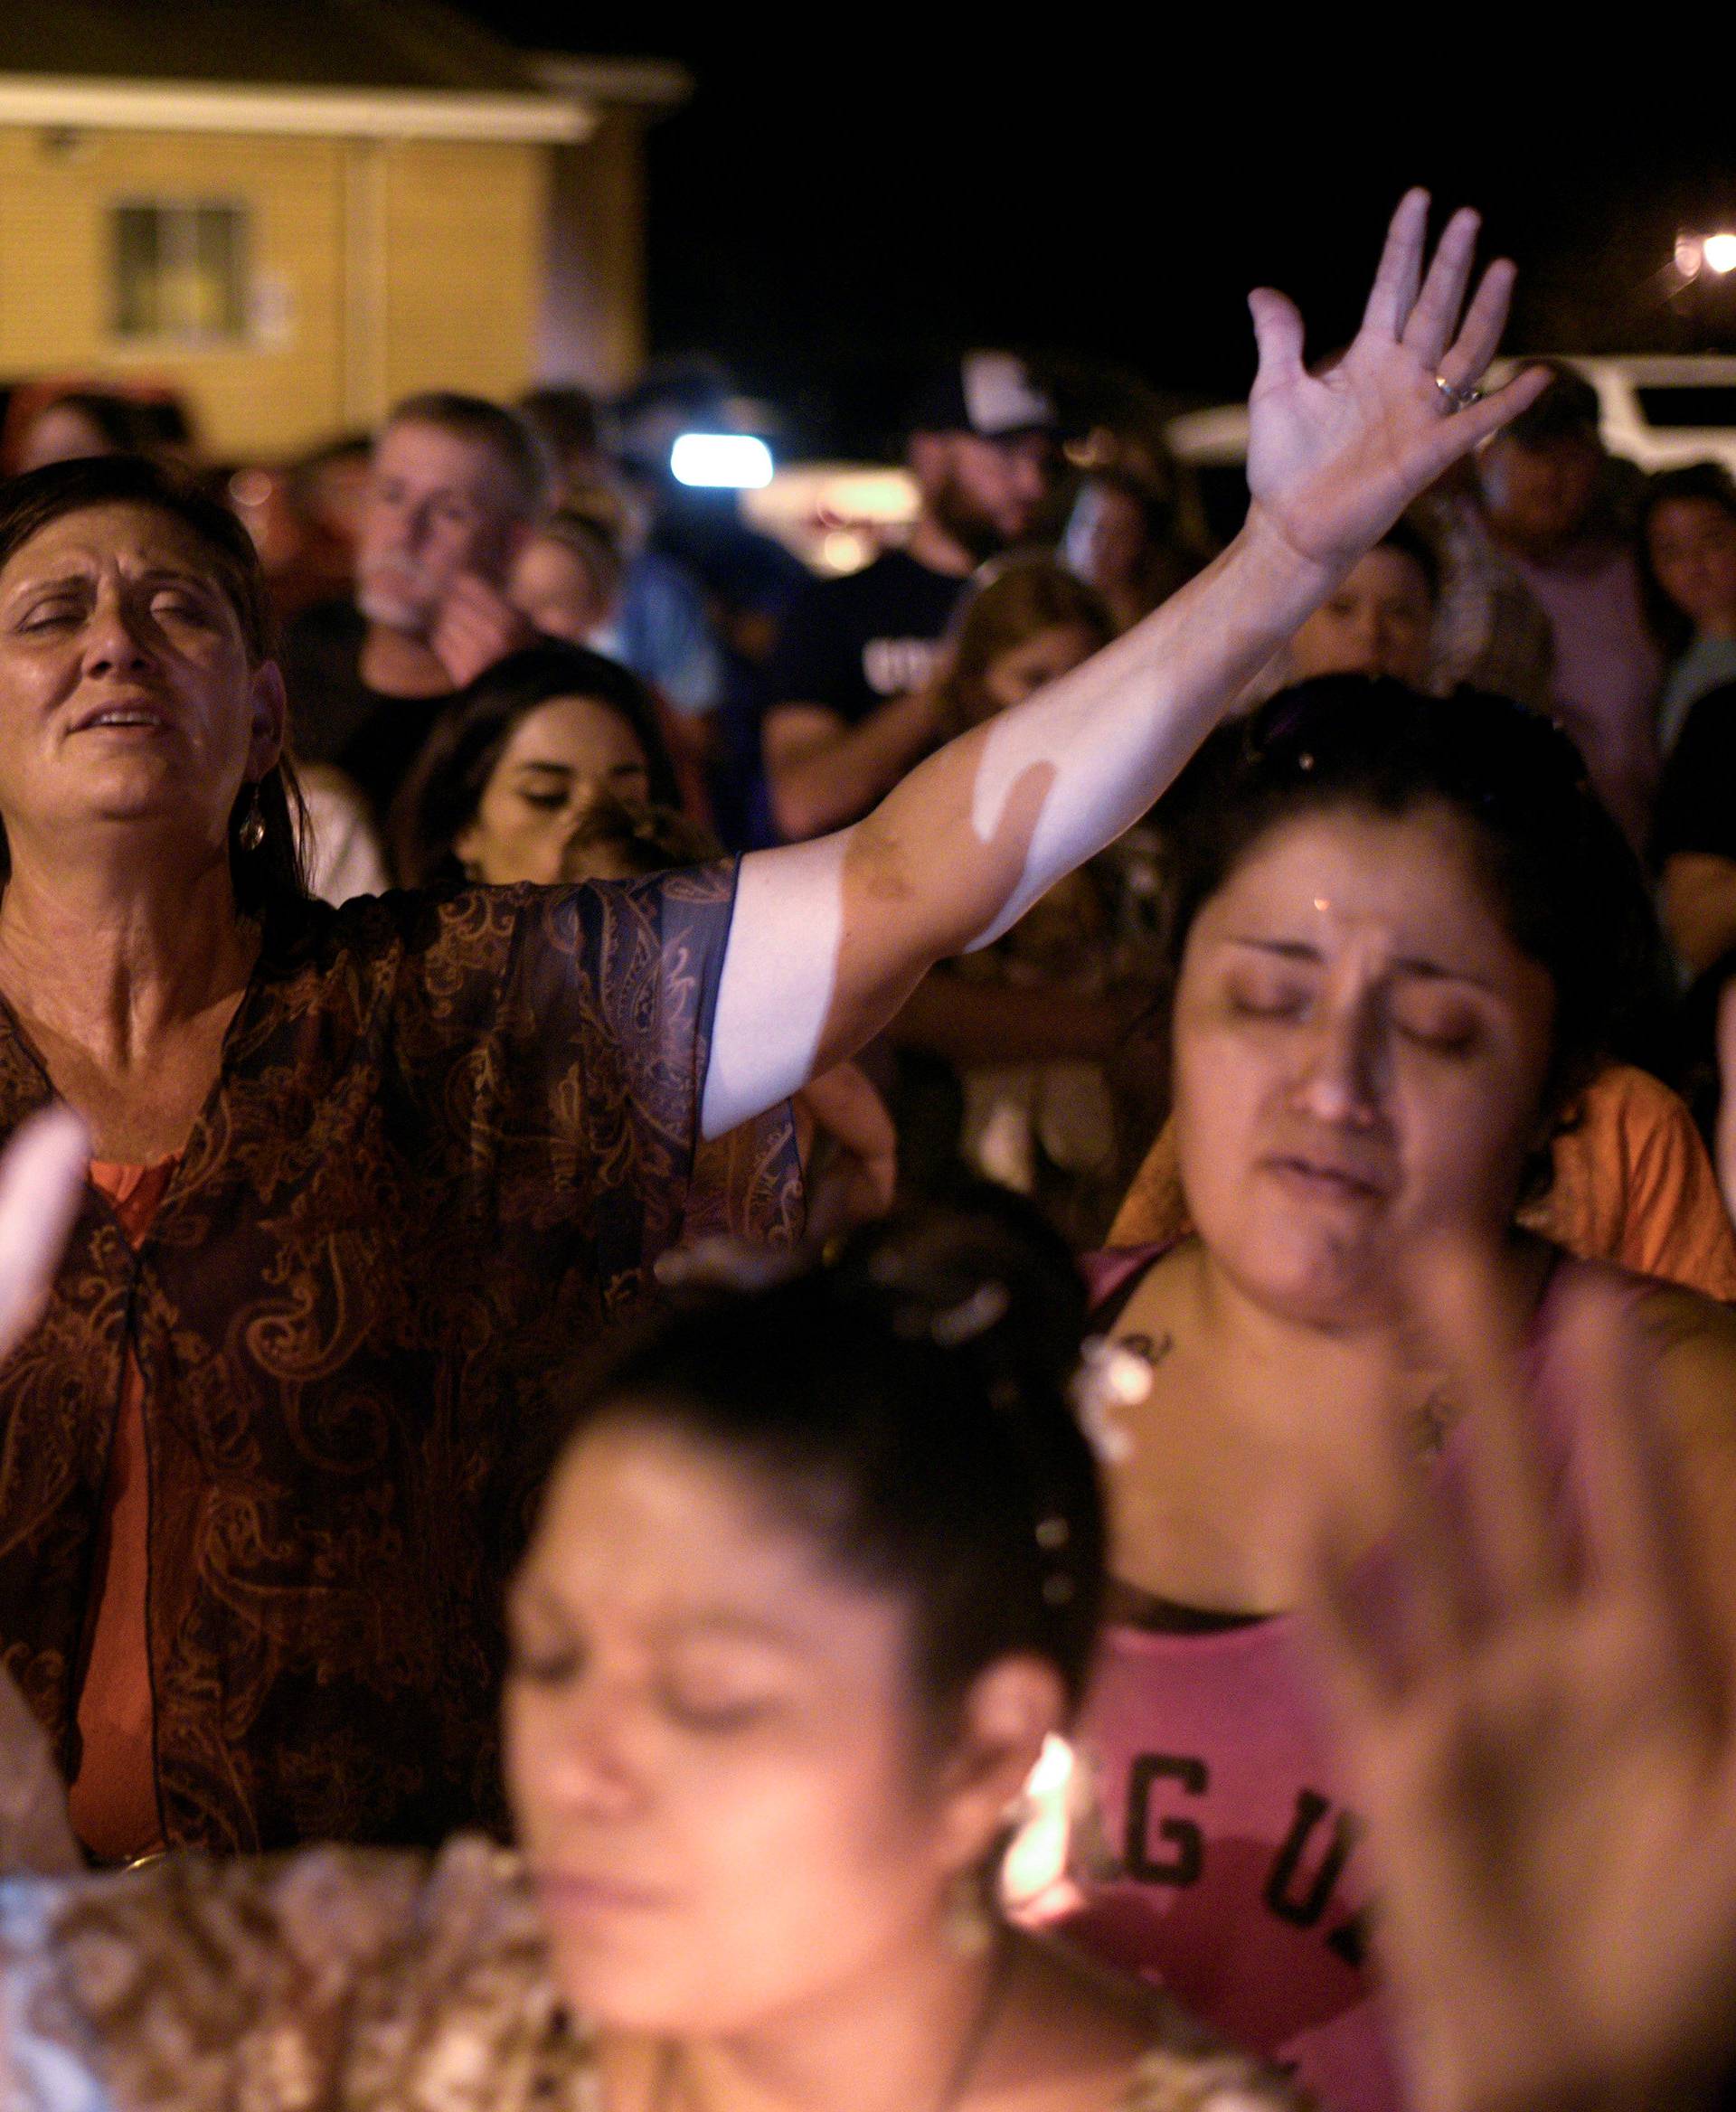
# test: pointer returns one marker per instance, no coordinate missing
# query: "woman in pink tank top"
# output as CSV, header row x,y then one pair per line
x,y
1403,932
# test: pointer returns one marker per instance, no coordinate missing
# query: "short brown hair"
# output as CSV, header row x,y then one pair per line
x,y
507,435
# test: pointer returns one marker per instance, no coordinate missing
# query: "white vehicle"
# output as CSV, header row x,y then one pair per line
x,y
1658,410
1662,409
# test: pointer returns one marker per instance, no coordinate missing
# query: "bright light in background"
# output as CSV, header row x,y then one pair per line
x,y
721,462
1715,253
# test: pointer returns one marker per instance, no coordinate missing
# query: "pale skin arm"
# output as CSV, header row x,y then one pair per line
x,y
831,937
820,771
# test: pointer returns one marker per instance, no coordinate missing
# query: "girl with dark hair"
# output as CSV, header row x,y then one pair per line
x,y
1404,936
816,1576
519,764
363,1175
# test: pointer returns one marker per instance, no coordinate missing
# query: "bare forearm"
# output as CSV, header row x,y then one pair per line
x,y
832,936
822,784
977,832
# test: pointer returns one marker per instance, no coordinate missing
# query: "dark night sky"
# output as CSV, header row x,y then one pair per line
x,y
822,222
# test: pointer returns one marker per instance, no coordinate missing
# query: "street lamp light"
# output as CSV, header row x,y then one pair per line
x,y
1713,254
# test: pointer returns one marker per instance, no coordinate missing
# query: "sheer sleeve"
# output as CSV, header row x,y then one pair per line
x,y
556,1041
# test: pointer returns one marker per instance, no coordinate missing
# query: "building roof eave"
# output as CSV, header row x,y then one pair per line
x,y
380,113
654,85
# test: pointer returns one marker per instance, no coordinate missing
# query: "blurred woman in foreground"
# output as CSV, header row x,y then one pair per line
x,y
816,1576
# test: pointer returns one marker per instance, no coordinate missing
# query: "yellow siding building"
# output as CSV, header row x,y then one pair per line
x,y
294,225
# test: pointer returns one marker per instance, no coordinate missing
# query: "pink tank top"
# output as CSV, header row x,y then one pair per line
x,y
1237,1884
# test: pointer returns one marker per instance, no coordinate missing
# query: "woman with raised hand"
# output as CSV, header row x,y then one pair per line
x,y
1404,935
361,1176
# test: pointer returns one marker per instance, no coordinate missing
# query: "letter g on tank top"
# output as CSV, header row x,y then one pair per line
x,y
1238,1884
1237,1878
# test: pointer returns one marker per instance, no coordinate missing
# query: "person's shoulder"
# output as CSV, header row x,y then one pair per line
x,y
464,918
1636,1111
1110,1269
309,936
1105,2038
1687,1340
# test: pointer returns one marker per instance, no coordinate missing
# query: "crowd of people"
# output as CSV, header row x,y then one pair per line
x,y
953,1338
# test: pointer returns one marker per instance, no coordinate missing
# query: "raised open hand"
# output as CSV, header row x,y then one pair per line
x,y
1538,1730
1334,459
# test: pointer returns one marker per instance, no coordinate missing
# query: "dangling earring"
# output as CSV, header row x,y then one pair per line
x,y
968,1925
251,833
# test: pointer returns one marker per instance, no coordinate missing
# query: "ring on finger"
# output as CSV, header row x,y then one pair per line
x,y
1457,398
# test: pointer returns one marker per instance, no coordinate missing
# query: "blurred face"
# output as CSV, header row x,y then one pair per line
x,y
1029,666
558,762
1538,497
987,495
1378,622
438,505
61,433
1692,543
551,584
709,1747
1360,1051
1106,537
125,691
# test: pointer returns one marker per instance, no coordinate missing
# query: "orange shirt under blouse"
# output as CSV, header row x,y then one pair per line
x,y
113,1797
1633,1184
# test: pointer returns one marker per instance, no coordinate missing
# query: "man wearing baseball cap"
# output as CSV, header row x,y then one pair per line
x,y
849,712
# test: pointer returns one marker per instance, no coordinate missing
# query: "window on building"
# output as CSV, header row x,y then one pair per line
x,y
180,271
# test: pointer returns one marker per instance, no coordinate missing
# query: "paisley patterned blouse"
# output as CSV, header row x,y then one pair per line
x,y
340,1981
451,1133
